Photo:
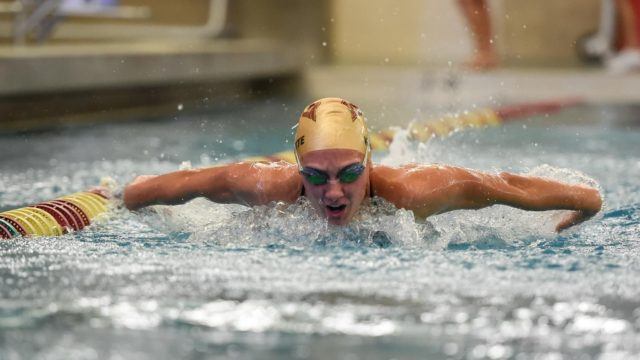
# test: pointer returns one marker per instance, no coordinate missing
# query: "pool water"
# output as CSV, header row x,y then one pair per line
x,y
204,280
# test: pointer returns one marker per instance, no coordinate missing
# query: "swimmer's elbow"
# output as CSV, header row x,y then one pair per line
x,y
234,184
475,194
515,181
220,187
489,190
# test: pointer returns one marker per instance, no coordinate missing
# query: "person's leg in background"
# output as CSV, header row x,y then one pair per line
x,y
635,8
476,13
628,58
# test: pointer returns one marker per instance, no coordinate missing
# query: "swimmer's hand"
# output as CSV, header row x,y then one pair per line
x,y
141,179
573,218
589,202
102,191
133,189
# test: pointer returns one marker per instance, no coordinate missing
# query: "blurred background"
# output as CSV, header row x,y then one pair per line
x,y
84,61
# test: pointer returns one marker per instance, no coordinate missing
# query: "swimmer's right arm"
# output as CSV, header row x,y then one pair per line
x,y
241,183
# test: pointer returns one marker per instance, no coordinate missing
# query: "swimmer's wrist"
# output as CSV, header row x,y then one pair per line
x,y
592,203
133,197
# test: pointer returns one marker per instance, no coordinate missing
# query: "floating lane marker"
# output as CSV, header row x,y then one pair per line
x,y
12,230
87,206
19,223
80,213
53,218
4,232
62,218
53,226
79,218
39,225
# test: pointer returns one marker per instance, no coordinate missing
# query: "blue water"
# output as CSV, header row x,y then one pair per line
x,y
203,280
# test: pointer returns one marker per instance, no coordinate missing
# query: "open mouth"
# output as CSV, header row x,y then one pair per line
x,y
336,210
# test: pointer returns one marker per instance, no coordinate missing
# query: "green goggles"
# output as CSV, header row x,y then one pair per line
x,y
347,175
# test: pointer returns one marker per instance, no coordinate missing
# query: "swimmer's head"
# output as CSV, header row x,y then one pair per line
x,y
332,150
331,123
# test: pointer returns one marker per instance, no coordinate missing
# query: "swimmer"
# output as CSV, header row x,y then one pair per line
x,y
335,172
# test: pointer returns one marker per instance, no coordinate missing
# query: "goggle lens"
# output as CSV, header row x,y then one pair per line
x,y
351,173
346,176
315,178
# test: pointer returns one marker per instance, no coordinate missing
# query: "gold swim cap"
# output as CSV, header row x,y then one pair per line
x,y
331,123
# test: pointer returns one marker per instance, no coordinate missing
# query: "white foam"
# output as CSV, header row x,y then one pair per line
x,y
377,224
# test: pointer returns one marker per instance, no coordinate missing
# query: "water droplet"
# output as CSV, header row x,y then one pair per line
x,y
238,145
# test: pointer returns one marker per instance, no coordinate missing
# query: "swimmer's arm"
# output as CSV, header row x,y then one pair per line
x,y
429,190
242,183
538,194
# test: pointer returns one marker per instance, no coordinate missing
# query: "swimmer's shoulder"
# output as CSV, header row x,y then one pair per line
x,y
416,187
387,181
274,180
403,184
385,175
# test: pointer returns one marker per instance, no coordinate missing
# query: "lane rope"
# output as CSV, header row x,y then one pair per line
x,y
54,218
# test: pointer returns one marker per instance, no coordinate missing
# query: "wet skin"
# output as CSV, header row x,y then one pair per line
x,y
337,201
424,189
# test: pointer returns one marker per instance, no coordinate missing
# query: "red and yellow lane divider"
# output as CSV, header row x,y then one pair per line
x,y
53,218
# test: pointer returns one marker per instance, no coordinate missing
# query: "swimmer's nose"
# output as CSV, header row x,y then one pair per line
x,y
334,191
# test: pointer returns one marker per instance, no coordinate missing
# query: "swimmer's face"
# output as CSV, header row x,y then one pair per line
x,y
337,201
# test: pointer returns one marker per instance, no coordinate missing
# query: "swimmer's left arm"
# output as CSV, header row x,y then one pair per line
x,y
540,194
429,190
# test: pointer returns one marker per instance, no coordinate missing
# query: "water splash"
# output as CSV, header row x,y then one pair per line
x,y
377,224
